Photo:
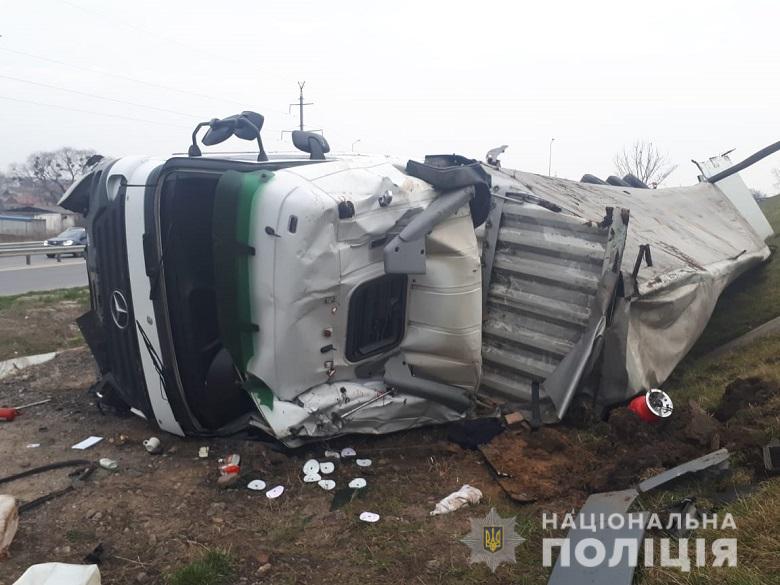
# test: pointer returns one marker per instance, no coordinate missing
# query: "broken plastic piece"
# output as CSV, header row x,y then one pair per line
x,y
9,522
153,445
203,452
357,483
332,454
348,452
257,485
363,462
312,478
327,467
464,496
327,484
87,443
109,464
274,492
369,517
61,574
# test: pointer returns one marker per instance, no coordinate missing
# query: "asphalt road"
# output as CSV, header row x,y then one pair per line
x,y
42,274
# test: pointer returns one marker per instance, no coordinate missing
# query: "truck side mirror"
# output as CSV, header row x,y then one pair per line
x,y
312,143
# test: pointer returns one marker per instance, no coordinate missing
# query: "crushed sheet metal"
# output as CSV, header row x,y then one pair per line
x,y
618,503
710,460
607,503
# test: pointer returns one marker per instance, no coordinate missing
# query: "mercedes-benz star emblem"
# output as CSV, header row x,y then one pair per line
x,y
119,311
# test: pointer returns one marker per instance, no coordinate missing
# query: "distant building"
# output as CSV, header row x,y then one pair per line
x,y
57,219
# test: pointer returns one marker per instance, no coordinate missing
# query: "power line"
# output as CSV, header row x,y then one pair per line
x,y
114,22
99,97
120,76
119,116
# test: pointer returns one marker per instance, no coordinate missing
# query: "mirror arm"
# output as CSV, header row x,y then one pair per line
x,y
261,155
194,150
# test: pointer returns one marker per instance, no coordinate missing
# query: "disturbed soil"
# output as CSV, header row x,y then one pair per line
x,y
158,512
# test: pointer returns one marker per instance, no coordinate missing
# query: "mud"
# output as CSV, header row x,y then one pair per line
x,y
561,462
743,393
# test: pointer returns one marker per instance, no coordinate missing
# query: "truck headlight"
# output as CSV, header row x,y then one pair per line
x,y
67,243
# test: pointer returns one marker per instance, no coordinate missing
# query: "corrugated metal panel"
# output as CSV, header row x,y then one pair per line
x,y
545,272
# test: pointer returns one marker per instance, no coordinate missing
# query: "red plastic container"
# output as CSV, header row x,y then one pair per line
x,y
652,406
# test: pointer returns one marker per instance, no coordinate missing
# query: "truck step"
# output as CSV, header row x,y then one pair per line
x,y
530,366
567,314
567,277
529,339
556,245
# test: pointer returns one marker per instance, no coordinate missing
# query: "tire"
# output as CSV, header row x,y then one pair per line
x,y
50,255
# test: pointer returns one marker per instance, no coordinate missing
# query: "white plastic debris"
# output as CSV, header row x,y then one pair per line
x,y
274,492
32,445
327,467
332,454
153,445
86,444
203,452
109,464
9,522
326,484
257,485
348,452
369,517
464,496
312,478
60,574
363,462
311,466
357,483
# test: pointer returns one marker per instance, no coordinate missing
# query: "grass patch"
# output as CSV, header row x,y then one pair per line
x,y
751,300
758,541
704,379
40,322
213,568
39,299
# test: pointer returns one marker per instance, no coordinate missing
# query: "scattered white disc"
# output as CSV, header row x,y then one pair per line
x,y
274,492
357,483
311,466
348,452
369,517
332,454
326,484
256,484
312,478
363,462
327,467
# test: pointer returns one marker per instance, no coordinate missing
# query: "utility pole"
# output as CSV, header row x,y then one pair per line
x,y
300,104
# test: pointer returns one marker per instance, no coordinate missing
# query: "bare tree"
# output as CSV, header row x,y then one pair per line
x,y
643,160
53,171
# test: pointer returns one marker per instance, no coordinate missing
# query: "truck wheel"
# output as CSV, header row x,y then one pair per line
x,y
50,255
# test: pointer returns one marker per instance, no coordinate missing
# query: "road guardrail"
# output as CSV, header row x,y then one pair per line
x,y
28,251
14,245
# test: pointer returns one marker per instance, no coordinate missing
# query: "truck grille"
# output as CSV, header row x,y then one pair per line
x,y
109,245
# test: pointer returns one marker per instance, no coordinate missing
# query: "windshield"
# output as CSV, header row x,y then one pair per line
x,y
71,233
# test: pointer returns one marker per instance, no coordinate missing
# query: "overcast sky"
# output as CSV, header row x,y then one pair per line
x,y
404,78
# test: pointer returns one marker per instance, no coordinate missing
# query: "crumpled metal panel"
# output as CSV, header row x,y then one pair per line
x,y
546,271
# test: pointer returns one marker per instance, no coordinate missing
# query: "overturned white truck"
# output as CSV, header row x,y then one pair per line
x,y
309,296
